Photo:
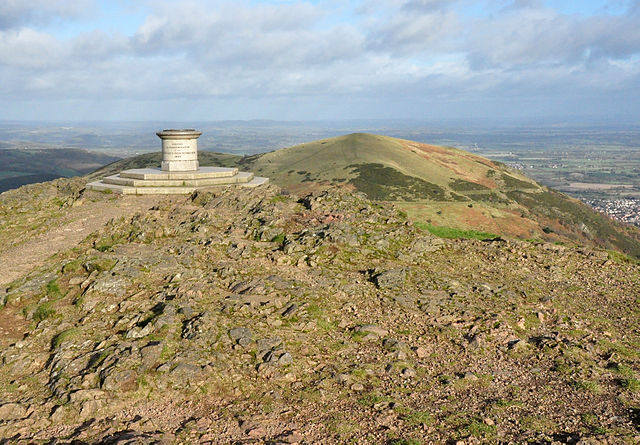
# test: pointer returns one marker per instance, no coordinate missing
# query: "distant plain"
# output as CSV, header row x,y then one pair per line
x,y
595,161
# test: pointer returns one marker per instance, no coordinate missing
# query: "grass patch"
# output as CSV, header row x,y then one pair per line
x,y
621,258
406,442
53,290
74,266
631,384
279,238
477,428
419,418
453,233
43,312
63,336
320,317
100,264
586,385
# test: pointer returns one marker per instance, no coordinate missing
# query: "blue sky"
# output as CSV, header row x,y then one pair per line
x,y
200,60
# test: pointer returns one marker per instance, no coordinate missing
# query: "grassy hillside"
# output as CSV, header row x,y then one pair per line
x,y
21,167
440,186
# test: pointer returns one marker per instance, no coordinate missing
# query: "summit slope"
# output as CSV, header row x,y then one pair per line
x,y
232,316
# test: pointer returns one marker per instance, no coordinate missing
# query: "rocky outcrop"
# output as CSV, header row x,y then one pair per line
x,y
234,316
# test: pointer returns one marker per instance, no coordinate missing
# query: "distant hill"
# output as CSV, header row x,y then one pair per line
x,y
438,186
19,167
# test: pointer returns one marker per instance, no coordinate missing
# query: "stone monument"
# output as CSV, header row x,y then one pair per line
x,y
179,173
179,150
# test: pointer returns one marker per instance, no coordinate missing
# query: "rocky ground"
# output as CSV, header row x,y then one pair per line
x,y
237,316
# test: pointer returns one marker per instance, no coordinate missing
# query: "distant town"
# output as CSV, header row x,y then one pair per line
x,y
623,210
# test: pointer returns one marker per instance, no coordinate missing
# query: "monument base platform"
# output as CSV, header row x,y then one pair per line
x,y
151,181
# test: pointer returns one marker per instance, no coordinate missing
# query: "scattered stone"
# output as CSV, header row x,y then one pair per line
x,y
357,387
290,437
268,343
290,310
408,372
285,359
470,376
390,279
237,334
139,332
517,344
422,352
372,329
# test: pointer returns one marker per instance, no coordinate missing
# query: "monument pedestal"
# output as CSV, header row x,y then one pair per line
x,y
179,150
180,172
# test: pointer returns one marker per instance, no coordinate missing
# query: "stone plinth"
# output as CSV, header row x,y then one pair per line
x,y
180,173
179,150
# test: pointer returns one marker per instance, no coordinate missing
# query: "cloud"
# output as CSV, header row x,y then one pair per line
x,y
17,13
406,52
539,36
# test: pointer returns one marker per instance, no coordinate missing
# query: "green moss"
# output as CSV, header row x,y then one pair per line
x,y
453,233
74,266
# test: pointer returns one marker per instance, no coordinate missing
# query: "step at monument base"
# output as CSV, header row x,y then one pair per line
x,y
151,181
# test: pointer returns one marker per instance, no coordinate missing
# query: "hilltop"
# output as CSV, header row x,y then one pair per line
x,y
436,186
265,317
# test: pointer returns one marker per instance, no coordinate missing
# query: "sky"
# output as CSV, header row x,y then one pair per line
x,y
204,60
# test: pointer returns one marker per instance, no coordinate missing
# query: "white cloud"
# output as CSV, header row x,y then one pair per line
x,y
17,13
382,50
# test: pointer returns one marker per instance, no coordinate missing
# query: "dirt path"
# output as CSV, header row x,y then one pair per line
x,y
80,222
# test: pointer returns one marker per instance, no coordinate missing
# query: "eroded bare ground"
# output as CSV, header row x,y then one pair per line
x,y
243,316
64,228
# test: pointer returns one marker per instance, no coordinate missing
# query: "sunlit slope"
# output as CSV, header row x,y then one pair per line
x,y
385,168
443,186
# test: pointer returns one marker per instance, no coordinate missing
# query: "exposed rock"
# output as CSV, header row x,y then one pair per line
x,y
372,329
390,279
125,380
12,411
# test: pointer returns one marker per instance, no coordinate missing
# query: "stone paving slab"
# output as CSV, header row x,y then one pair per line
x,y
237,178
157,174
128,190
